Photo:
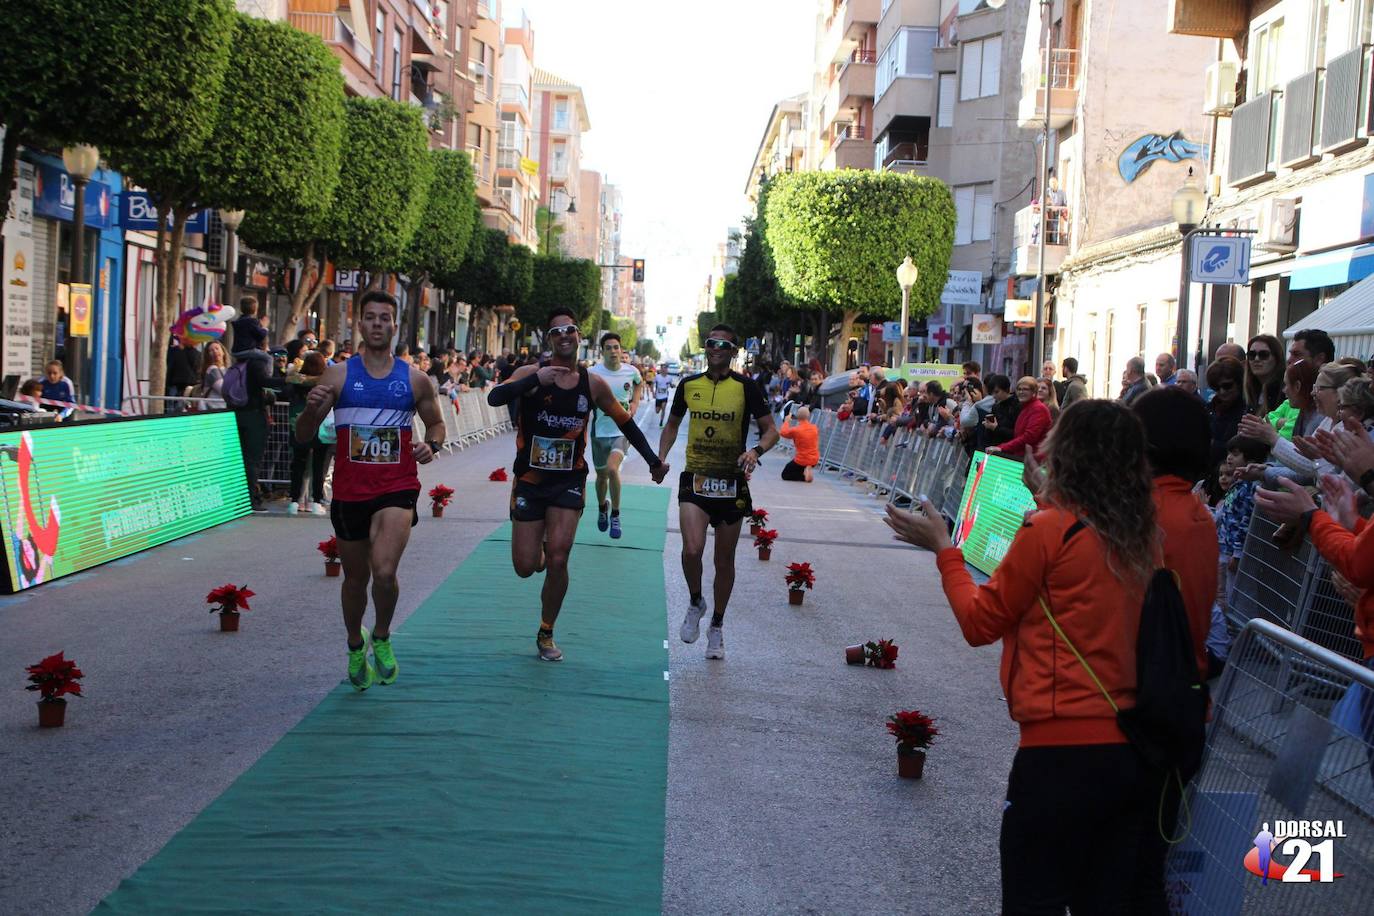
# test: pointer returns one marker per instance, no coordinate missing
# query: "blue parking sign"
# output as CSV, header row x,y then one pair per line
x,y
1223,260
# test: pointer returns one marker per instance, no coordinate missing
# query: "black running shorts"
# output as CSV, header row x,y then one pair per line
x,y
725,499
353,519
529,502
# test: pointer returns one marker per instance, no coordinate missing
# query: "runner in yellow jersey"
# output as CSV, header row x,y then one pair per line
x,y
714,489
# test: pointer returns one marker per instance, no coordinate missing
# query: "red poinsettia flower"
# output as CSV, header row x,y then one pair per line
x,y
441,495
229,598
800,576
55,677
881,654
498,475
913,729
758,516
330,548
764,539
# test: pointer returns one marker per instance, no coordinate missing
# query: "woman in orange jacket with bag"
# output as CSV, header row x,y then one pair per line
x,y
1066,598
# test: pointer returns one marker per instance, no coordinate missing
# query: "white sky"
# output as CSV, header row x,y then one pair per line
x,y
678,95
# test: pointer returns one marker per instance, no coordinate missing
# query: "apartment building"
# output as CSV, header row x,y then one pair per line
x,y
483,128
783,146
1125,129
1288,84
615,289
517,171
560,116
840,104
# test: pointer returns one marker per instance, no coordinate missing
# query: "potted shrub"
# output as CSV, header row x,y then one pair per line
x,y
497,475
880,654
800,576
226,601
914,731
764,542
330,549
439,497
54,677
757,519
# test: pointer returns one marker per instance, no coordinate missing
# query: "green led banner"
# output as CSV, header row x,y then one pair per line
x,y
994,506
79,495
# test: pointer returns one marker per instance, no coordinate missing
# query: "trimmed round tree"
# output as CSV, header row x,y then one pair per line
x,y
838,237
445,230
571,282
383,181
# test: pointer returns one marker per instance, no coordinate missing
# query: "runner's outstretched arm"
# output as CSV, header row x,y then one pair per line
x,y
525,380
318,403
607,404
675,415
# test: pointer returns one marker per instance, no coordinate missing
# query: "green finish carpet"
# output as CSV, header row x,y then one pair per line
x,y
483,780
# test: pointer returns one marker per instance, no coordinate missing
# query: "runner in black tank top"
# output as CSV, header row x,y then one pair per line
x,y
548,493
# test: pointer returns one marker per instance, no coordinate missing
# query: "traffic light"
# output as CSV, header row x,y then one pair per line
x,y
639,270
679,319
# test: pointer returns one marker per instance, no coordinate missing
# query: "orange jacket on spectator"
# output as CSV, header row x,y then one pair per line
x,y
1032,426
1190,549
1352,555
807,440
1048,691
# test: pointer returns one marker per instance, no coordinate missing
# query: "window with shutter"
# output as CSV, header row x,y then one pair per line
x,y
964,201
945,116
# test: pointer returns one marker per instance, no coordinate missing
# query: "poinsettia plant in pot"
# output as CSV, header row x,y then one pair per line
x,y
915,732
497,475
54,677
439,497
800,576
226,601
880,654
757,519
764,542
330,549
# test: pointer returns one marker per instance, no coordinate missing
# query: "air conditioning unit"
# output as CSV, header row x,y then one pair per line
x,y
1277,224
1220,98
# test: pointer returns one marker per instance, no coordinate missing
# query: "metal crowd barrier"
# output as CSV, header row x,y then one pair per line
x,y
909,464
1292,589
1290,740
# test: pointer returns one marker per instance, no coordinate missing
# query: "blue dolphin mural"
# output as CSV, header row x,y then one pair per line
x,y
1137,158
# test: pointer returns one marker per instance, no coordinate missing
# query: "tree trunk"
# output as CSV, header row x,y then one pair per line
x,y
169,249
9,176
838,362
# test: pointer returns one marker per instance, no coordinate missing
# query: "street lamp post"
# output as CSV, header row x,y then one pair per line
x,y
232,219
907,275
81,161
1189,211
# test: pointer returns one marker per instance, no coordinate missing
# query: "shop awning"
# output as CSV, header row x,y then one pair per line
x,y
1332,268
1351,314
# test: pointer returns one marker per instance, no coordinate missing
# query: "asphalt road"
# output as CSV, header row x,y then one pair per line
x,y
782,796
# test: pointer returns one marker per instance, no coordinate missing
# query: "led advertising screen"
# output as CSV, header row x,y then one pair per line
x,y
79,495
995,504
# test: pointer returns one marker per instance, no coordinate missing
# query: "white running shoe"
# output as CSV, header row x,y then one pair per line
x,y
316,509
293,508
715,643
691,622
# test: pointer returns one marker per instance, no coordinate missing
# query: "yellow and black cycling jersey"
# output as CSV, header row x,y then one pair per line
x,y
720,411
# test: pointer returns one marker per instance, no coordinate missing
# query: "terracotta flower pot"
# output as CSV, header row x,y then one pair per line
x,y
331,568
854,655
911,766
437,510
765,553
229,622
795,596
754,529
52,715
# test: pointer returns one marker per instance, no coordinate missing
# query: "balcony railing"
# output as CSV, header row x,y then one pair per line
x,y
1063,69
864,56
330,29
1252,139
851,132
507,158
1026,228
904,153
1301,116
515,94
1347,85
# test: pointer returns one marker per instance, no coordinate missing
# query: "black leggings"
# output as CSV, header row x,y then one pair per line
x,y
793,471
1071,829
317,453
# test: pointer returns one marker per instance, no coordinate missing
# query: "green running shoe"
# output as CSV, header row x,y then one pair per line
x,y
361,674
385,660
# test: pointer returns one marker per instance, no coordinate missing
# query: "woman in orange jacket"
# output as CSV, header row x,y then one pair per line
x,y
1077,790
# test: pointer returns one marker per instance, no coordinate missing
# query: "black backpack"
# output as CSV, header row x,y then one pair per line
x,y
1167,726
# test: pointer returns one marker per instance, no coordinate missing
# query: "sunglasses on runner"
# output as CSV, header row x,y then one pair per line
x,y
563,330
719,343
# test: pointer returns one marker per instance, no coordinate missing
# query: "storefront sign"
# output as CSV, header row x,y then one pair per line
x,y
987,329
1020,310
79,308
1224,260
347,281
80,495
137,211
964,287
994,506
54,196
18,278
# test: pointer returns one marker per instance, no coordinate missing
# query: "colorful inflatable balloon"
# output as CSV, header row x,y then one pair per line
x,y
198,325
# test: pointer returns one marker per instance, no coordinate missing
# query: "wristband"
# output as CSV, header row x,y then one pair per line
x,y
434,447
